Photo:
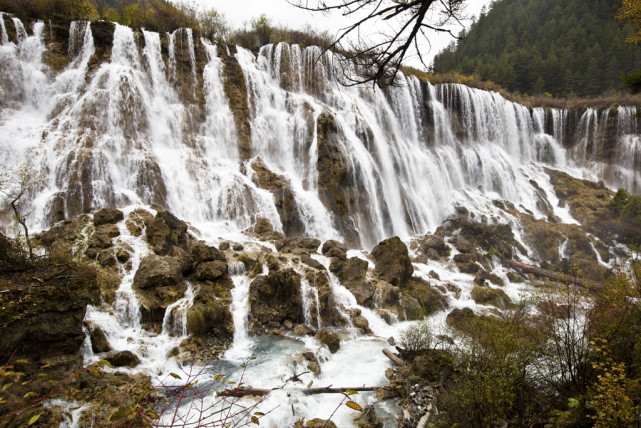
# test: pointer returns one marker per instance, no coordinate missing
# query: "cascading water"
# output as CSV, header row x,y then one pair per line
x,y
353,164
241,347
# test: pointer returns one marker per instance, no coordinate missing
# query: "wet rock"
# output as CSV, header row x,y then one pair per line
x,y
483,277
100,240
138,220
391,340
305,258
284,197
337,180
210,270
298,245
276,297
465,258
123,359
236,91
262,226
434,275
454,289
314,367
434,246
238,247
42,317
392,261
155,271
368,418
201,252
99,342
514,277
166,231
354,270
331,244
107,216
361,323
106,258
432,254
224,246
463,245
491,296
110,230
470,268
330,339
461,319
320,423
302,330
124,253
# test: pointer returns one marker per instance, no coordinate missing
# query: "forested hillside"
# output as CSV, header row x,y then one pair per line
x,y
562,47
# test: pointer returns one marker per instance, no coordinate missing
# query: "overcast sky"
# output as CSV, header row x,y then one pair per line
x,y
239,12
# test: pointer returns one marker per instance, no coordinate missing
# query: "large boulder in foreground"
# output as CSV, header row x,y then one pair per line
x,y
157,271
393,263
275,298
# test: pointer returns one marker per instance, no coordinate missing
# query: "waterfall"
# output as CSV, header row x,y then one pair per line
x,y
311,303
242,343
359,164
174,322
4,36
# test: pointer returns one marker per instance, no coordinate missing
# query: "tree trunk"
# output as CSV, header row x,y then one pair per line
x,y
249,391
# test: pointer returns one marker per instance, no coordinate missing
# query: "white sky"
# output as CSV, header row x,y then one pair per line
x,y
239,12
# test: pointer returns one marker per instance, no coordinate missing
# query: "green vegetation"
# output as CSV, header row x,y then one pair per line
x,y
569,363
558,47
627,206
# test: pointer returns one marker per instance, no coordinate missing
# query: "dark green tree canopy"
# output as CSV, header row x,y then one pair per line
x,y
563,47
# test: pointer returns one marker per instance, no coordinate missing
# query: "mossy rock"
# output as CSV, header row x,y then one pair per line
x,y
491,296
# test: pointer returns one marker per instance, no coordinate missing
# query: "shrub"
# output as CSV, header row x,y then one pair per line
x,y
417,337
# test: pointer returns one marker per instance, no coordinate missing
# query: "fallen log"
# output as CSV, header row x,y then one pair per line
x,y
537,271
555,276
249,391
394,358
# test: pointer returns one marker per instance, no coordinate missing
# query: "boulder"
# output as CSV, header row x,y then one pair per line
x,y
276,297
99,342
166,231
331,244
393,263
106,258
330,339
138,220
100,240
302,330
354,270
155,271
491,296
110,230
210,271
305,258
299,245
262,226
201,253
361,323
107,216
461,319
123,359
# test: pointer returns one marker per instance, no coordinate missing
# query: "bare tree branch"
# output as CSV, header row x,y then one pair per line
x,y
379,58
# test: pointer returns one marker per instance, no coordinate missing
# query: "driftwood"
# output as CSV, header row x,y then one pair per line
x,y
248,391
537,271
555,276
395,359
